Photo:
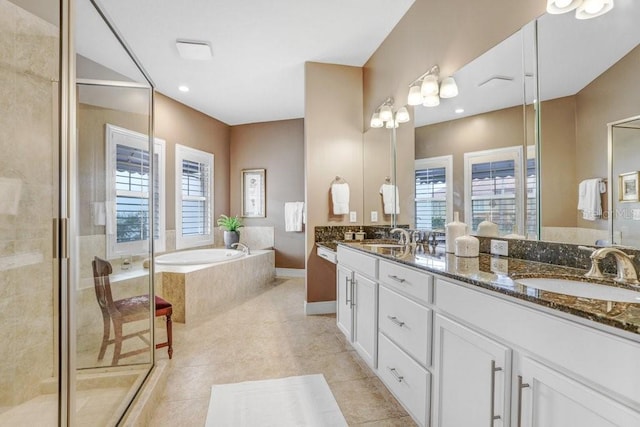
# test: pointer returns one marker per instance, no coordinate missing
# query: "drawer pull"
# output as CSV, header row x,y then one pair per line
x,y
396,278
521,385
395,373
395,321
494,369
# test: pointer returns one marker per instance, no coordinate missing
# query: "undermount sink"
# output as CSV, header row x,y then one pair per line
x,y
581,289
383,245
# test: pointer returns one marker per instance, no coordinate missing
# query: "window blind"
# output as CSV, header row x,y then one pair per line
x,y
431,198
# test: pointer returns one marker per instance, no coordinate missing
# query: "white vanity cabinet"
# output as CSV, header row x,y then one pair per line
x,y
405,330
357,301
553,371
472,377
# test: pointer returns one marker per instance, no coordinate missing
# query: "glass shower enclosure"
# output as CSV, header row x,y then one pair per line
x,y
77,181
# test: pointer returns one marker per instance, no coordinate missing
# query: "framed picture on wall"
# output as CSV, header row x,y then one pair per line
x,y
628,186
254,193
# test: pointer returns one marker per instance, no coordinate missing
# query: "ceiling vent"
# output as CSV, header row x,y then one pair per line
x,y
194,49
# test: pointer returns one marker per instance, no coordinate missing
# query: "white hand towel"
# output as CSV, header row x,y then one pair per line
x,y
293,213
340,198
589,199
389,196
99,213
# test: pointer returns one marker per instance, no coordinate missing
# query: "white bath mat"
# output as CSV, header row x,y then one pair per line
x,y
293,401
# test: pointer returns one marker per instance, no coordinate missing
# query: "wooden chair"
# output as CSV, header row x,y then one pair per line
x,y
123,311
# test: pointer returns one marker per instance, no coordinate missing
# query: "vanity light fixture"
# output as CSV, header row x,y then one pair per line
x,y
427,91
585,9
385,117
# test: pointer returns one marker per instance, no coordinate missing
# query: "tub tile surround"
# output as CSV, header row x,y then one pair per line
x,y
332,233
199,293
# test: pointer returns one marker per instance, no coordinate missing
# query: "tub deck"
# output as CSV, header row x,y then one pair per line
x,y
199,291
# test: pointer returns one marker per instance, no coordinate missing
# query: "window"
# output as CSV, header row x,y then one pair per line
x,y
433,192
493,189
128,186
532,192
194,197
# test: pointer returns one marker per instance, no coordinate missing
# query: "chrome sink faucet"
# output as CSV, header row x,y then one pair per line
x,y
626,271
244,248
405,237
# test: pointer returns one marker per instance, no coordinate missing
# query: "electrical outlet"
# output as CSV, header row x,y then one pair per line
x,y
499,247
374,216
499,265
353,217
635,214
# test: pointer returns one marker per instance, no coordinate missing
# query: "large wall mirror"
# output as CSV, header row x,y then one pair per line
x,y
560,81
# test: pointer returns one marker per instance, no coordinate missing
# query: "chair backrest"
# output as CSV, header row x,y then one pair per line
x,y
101,271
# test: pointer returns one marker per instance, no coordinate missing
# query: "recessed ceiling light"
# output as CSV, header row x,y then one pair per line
x,y
459,110
183,88
194,49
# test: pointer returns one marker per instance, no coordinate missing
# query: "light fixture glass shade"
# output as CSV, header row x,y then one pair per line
x,y
429,85
562,6
402,116
431,101
593,8
385,113
448,88
376,122
391,124
415,95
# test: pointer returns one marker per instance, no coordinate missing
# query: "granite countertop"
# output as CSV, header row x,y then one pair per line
x,y
500,274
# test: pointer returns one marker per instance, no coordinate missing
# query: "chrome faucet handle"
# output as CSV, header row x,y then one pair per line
x,y
586,248
243,247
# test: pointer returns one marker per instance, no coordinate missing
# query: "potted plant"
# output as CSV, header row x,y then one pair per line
x,y
231,227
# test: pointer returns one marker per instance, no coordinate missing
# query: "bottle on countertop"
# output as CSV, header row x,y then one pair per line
x,y
453,230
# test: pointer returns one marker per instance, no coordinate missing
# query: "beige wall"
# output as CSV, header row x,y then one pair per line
x,y
178,124
333,146
277,147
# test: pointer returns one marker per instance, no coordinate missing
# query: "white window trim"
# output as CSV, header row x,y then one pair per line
x,y
496,154
139,141
187,153
438,162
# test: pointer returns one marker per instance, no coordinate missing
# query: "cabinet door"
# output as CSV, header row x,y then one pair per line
x,y
365,318
344,293
547,398
471,373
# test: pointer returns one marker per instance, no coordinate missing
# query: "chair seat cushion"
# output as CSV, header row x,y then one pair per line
x,y
161,303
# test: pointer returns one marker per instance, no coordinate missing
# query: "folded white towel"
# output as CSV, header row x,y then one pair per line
x,y
99,213
293,213
390,198
340,198
589,199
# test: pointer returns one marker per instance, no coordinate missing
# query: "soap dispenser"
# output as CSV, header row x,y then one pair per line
x,y
453,230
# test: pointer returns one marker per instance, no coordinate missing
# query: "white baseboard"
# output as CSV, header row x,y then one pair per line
x,y
322,307
291,272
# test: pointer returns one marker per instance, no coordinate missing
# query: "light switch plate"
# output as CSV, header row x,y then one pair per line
x,y
499,247
374,216
353,217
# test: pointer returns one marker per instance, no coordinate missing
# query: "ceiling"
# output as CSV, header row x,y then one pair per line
x,y
572,53
259,48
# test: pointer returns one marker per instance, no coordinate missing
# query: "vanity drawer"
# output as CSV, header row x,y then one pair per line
x,y
358,261
407,380
413,283
327,254
406,323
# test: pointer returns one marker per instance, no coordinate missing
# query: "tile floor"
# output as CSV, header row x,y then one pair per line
x,y
269,336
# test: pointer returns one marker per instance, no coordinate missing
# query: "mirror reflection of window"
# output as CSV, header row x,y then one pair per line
x,y
433,190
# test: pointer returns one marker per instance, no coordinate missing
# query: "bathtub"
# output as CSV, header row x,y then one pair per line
x,y
198,257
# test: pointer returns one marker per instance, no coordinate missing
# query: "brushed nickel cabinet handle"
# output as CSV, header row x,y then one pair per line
x,y
395,320
395,373
521,385
354,282
347,284
494,369
396,278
